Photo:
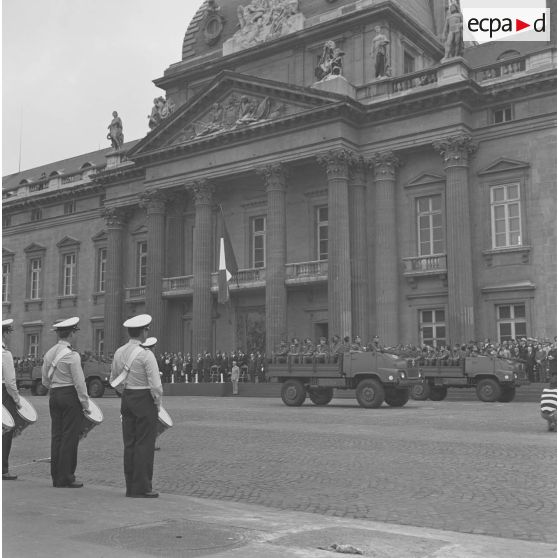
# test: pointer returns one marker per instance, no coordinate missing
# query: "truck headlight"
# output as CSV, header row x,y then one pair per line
x,y
506,376
402,375
390,378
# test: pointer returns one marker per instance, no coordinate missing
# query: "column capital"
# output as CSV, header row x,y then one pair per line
x,y
153,202
358,169
336,162
203,191
116,217
275,175
456,151
385,165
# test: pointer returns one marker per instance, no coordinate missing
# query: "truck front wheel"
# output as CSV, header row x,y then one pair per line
x,y
370,393
489,390
39,389
321,396
438,393
293,393
421,391
508,394
95,388
397,397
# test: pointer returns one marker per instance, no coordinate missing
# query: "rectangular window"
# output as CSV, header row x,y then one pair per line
x,y
99,342
502,114
512,322
430,231
141,264
322,232
408,63
505,206
101,269
35,270
32,342
257,232
36,214
432,327
69,275
69,207
6,275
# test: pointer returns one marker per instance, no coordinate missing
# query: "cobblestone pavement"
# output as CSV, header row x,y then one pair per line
x,y
469,467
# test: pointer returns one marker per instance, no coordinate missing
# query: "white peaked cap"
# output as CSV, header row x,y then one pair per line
x,y
149,342
66,324
141,320
7,323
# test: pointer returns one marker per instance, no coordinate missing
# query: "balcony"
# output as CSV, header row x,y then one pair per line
x,y
503,69
254,278
417,267
135,294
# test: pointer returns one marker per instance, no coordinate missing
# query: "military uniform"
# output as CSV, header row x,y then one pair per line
x,y
10,399
141,397
63,375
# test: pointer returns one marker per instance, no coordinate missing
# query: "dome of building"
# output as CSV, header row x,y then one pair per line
x,y
216,21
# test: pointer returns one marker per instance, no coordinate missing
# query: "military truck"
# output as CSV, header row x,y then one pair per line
x,y
494,379
96,373
376,376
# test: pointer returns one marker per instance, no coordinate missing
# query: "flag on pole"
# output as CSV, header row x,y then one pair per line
x,y
227,263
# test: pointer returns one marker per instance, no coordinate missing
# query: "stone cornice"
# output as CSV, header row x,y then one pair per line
x,y
47,223
118,174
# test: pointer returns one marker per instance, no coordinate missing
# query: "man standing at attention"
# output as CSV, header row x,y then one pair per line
x,y
136,370
63,375
10,397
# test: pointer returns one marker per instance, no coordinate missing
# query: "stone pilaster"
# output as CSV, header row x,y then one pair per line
x,y
359,248
456,152
386,260
154,203
275,177
336,163
115,219
202,304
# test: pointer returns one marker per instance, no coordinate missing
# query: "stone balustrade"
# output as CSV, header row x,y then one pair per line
x,y
420,265
135,294
500,69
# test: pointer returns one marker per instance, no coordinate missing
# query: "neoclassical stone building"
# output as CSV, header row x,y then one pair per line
x,y
408,192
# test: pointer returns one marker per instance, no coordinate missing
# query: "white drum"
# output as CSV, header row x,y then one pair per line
x,y
91,420
25,416
7,421
164,421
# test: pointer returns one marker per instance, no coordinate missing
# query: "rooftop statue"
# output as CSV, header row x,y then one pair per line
x,y
264,20
115,134
453,32
380,54
331,62
161,109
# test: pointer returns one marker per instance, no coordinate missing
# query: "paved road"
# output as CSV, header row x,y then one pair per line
x,y
469,467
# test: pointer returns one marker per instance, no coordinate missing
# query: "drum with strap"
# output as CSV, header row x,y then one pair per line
x,y
164,421
89,421
7,421
25,416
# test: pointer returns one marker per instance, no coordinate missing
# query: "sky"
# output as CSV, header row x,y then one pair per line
x,y
67,64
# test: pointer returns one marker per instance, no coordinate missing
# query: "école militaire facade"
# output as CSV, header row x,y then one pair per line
x,y
408,194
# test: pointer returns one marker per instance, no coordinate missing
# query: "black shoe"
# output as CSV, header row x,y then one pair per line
x,y
71,485
151,494
7,476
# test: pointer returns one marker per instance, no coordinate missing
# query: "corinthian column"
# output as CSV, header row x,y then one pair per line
x,y
336,163
456,152
275,177
359,249
386,261
154,203
203,249
115,219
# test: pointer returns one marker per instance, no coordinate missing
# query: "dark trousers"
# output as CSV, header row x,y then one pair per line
x,y
139,430
7,438
66,417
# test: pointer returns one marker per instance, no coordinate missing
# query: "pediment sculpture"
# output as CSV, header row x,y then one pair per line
x,y
237,111
162,109
264,20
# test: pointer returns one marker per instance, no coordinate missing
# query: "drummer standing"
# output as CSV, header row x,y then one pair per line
x,y
10,396
141,399
62,373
